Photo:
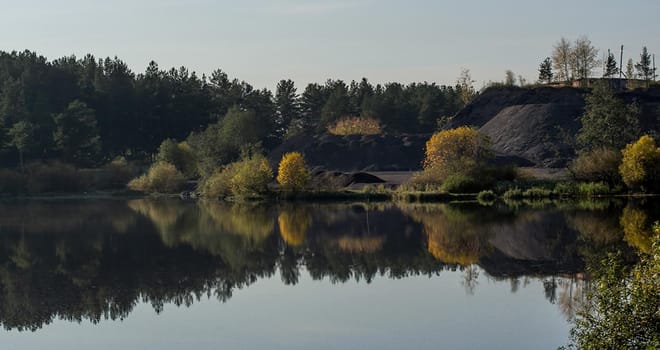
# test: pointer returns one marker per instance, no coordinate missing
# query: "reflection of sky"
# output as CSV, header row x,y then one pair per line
x,y
414,313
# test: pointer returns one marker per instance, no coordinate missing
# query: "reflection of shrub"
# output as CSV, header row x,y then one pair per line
x,y
11,181
356,126
513,193
294,223
601,164
161,177
292,173
486,196
361,245
636,228
640,166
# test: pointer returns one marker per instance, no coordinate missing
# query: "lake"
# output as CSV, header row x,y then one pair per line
x,y
169,274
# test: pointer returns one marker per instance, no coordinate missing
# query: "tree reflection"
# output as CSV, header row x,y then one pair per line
x,y
453,236
110,255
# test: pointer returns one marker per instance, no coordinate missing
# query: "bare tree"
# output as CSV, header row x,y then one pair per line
x,y
585,57
562,59
510,78
465,88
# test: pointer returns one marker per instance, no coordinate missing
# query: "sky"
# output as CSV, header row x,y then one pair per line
x,y
264,41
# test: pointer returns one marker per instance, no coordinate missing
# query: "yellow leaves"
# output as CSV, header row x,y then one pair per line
x,y
640,163
294,223
449,147
292,173
637,229
356,126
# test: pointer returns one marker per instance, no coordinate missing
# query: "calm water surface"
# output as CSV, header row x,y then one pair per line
x,y
116,274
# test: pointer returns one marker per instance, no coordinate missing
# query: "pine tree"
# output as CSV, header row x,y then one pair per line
x,y
611,69
644,69
545,71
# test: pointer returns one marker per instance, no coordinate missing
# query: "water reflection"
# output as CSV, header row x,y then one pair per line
x,y
97,259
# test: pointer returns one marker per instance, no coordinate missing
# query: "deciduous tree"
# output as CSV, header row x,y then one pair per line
x,y
607,121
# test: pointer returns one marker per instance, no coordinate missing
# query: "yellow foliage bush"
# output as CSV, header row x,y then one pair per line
x,y
451,148
161,177
356,126
292,173
640,165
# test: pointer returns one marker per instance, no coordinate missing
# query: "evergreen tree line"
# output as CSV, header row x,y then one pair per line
x,y
87,111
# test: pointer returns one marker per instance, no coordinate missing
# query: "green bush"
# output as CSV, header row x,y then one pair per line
x,y
218,185
243,179
251,178
565,189
162,177
591,189
459,183
180,155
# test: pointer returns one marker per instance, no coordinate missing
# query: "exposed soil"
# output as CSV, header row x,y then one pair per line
x,y
530,127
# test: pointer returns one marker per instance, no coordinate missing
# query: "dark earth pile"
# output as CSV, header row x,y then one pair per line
x,y
527,126
357,152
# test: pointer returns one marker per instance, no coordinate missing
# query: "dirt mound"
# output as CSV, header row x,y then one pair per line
x,y
531,124
357,152
529,127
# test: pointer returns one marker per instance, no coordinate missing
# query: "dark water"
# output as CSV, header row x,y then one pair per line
x,y
115,274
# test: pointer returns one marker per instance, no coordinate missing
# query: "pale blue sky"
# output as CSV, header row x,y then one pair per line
x,y
309,41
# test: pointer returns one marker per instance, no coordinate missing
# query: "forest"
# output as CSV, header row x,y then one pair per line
x,y
87,111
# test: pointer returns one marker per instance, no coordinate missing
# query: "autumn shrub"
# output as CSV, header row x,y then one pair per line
x,y
600,164
292,173
180,155
456,159
640,165
162,177
356,126
452,149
